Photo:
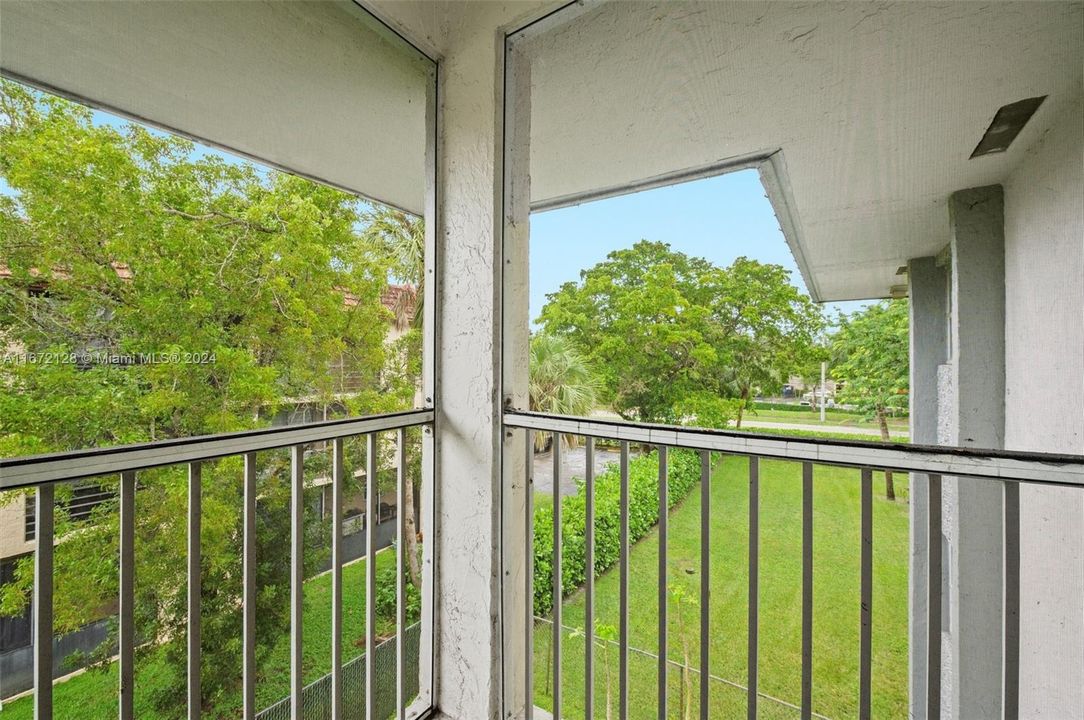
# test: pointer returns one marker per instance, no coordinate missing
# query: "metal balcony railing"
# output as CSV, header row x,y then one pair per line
x,y
1005,469
44,472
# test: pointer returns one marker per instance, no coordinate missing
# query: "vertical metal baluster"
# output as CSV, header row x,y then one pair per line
x,y
754,586
557,615
589,570
705,581
126,630
664,512
337,474
400,573
249,588
1012,601
807,591
371,520
195,521
43,602
623,621
866,603
297,576
933,603
528,506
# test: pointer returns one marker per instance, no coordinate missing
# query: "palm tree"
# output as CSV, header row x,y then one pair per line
x,y
560,380
400,237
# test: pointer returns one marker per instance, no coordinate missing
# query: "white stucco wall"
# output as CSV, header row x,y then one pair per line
x,y
1044,403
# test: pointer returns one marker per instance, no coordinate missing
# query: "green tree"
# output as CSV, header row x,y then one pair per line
x,y
240,292
560,381
661,327
769,326
400,238
641,318
870,351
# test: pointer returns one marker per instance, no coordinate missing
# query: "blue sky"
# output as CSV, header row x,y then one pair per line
x,y
719,218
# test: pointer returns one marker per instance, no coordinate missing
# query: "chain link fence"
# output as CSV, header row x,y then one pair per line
x,y
316,696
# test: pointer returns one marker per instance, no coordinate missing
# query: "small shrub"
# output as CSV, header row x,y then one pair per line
x,y
386,597
791,407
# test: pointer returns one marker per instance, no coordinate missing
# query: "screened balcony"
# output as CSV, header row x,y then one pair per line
x,y
864,122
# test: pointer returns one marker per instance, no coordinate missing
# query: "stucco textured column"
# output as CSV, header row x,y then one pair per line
x,y
974,512
468,408
929,350
469,39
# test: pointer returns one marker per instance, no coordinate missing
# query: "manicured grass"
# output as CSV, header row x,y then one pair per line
x,y
835,418
836,600
93,694
826,434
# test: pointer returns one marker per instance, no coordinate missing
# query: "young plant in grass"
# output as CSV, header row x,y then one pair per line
x,y
604,638
683,600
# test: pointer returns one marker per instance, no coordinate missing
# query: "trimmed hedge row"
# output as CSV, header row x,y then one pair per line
x,y
790,407
684,467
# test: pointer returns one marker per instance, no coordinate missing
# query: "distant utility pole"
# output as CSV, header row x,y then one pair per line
x,y
824,392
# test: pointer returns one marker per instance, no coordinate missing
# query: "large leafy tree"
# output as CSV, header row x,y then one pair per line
x,y
871,357
238,292
641,318
768,326
662,327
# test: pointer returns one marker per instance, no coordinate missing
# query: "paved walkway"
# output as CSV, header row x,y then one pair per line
x,y
573,465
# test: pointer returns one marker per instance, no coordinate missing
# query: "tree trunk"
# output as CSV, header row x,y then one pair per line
x,y
687,689
741,406
410,534
890,488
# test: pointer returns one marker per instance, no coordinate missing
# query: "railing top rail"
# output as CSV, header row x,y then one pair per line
x,y
1027,467
32,470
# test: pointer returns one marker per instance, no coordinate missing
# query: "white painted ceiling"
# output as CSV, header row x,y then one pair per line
x,y
319,88
875,107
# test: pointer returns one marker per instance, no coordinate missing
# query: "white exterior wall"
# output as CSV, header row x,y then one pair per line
x,y
1044,407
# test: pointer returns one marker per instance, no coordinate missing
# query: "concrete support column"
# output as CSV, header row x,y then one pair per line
x,y
467,635
974,509
929,290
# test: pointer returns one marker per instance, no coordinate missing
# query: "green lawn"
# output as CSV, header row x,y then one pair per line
x,y
836,600
93,694
832,418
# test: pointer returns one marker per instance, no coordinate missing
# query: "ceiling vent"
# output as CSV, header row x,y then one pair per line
x,y
1007,124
